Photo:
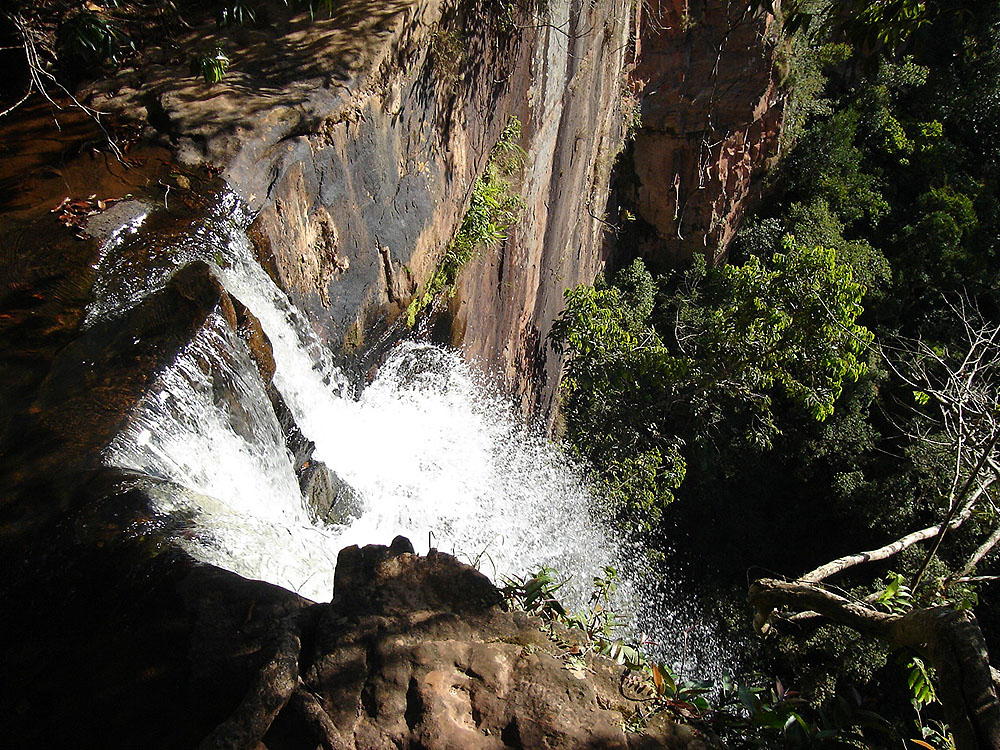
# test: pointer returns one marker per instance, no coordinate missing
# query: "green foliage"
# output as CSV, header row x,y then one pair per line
x,y
312,6
936,736
804,77
619,371
508,14
635,391
89,39
536,595
599,622
236,13
828,162
211,67
745,713
493,209
447,51
787,325
920,680
631,112
895,168
866,23
507,156
896,597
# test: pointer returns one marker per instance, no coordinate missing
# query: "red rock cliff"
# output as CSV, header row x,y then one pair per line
x,y
711,115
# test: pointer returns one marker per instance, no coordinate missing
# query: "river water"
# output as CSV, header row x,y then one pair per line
x,y
428,449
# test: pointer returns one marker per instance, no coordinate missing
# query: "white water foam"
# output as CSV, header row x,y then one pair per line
x,y
428,449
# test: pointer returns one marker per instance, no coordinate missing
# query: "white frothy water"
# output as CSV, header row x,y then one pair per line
x,y
427,448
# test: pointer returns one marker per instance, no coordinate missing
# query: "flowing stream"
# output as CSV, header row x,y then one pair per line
x,y
428,449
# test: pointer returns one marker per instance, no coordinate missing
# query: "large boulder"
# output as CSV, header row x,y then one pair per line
x,y
420,652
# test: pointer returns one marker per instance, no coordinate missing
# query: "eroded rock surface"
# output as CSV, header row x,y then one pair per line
x,y
356,140
711,117
418,652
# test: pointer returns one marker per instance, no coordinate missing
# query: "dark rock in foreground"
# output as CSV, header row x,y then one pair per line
x,y
419,652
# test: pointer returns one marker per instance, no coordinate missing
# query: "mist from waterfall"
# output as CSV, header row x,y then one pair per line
x,y
429,450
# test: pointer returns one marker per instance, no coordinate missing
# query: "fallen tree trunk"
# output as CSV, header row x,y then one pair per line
x,y
950,639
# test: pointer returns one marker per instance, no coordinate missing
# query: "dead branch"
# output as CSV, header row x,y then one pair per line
x,y
40,79
883,553
980,553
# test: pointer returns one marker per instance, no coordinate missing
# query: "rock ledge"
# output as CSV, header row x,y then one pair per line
x,y
419,652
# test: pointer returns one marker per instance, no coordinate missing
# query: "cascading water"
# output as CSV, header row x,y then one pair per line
x,y
428,450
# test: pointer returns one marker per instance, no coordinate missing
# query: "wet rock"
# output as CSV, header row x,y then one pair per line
x,y
95,381
248,328
299,446
117,218
328,498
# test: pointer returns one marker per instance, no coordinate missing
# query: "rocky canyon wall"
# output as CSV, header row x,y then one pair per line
x,y
574,104
711,117
361,167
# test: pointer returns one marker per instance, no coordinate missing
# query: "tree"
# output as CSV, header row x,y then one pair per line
x,y
642,382
779,327
619,374
957,393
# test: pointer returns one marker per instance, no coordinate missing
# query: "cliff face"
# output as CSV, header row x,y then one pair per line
x,y
711,116
573,104
361,166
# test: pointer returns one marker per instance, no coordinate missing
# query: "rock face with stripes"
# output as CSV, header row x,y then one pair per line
x,y
711,119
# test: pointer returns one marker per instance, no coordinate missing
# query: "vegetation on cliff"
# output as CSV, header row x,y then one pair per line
x,y
493,209
832,390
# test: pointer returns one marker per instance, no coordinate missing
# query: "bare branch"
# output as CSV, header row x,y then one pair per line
x,y
883,553
953,511
980,553
39,80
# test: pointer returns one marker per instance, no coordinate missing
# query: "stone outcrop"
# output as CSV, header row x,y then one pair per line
x,y
711,117
150,650
419,652
359,158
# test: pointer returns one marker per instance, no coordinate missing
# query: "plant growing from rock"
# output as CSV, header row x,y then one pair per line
x,y
90,39
493,209
748,713
212,66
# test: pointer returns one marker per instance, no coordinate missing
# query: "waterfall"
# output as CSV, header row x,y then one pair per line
x,y
427,448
